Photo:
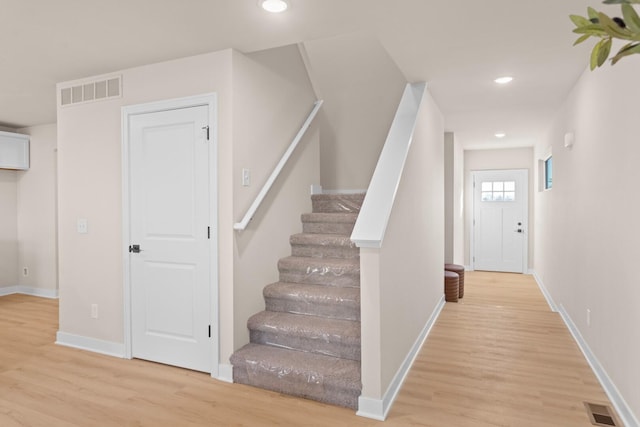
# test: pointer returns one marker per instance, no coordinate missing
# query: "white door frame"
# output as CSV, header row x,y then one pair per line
x,y
525,237
209,100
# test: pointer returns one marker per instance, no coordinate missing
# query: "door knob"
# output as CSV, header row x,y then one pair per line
x,y
135,249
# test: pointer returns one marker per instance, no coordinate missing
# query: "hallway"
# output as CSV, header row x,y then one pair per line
x,y
500,357
497,358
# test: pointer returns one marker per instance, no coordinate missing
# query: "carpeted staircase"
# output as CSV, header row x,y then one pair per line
x,y
307,341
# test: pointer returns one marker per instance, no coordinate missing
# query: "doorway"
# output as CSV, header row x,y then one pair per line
x,y
500,220
169,214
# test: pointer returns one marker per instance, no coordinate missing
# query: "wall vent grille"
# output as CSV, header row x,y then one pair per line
x,y
91,91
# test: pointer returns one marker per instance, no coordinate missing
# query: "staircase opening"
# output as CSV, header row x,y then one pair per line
x,y
307,341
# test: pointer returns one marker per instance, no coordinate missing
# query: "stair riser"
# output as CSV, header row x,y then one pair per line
x,y
332,310
339,205
347,280
330,346
296,385
328,251
327,228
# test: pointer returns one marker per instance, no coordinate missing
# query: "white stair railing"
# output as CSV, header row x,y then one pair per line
x,y
274,175
371,224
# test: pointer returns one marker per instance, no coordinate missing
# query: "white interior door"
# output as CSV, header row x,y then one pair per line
x,y
169,232
500,220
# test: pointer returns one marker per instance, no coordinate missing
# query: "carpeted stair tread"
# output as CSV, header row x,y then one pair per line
x,y
315,300
338,203
332,337
323,246
328,223
309,375
320,271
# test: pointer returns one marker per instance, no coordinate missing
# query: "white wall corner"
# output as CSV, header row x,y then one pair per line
x,y
622,408
10,290
545,292
225,372
378,409
90,344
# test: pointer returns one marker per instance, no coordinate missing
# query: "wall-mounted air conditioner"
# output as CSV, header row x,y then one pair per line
x,y
14,151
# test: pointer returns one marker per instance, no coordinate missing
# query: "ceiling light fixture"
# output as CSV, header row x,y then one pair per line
x,y
274,6
503,80
500,135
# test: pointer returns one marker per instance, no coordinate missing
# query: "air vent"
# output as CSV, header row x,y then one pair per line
x,y
601,415
91,91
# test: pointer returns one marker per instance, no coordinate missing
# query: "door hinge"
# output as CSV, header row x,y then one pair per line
x,y
208,232
207,129
209,331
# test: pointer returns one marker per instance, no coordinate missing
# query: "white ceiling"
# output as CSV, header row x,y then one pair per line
x,y
458,47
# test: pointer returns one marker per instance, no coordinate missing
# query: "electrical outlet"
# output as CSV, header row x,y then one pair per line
x,y
83,226
588,317
94,311
25,271
246,177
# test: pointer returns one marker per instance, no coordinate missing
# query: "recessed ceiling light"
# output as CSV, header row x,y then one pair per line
x,y
274,6
500,135
503,80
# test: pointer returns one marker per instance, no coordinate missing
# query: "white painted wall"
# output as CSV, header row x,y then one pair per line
x,y
586,237
8,229
90,186
263,98
453,200
514,158
361,87
36,213
406,280
272,97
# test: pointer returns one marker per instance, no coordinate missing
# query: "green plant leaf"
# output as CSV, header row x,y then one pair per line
x,y
592,13
579,21
621,2
592,30
631,49
613,29
581,39
593,63
631,18
603,53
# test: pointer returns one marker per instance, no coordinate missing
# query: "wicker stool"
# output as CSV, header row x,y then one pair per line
x,y
460,270
451,281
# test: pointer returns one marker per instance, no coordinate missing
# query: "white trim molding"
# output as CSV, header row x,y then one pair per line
x,y
225,372
378,409
622,408
90,344
24,290
545,292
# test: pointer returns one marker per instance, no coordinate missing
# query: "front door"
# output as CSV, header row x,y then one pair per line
x,y
500,220
169,232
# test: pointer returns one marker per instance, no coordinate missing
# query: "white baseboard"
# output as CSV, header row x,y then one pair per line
x,y
545,292
90,344
622,408
24,290
225,372
9,290
378,409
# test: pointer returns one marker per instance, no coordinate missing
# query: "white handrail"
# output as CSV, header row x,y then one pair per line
x,y
274,175
371,224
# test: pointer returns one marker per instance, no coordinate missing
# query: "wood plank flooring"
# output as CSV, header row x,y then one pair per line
x,y
497,358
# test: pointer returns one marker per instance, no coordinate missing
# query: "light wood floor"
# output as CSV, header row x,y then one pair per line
x,y
497,358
